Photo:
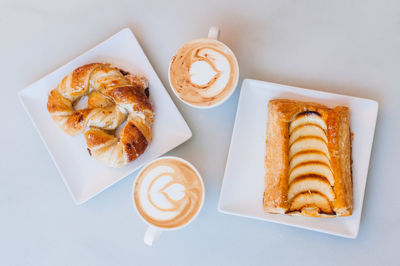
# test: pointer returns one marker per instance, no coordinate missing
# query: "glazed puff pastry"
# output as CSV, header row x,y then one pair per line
x,y
308,160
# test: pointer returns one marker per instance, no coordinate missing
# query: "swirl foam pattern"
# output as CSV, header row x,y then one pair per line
x,y
168,193
203,72
311,178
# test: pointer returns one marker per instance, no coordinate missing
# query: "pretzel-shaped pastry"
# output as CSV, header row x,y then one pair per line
x,y
114,96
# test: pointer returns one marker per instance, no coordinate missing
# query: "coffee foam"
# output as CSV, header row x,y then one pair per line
x,y
203,72
168,193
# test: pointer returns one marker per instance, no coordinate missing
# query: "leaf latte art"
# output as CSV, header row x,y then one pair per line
x,y
203,72
168,193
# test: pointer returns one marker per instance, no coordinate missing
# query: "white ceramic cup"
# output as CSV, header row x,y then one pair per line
x,y
153,232
213,34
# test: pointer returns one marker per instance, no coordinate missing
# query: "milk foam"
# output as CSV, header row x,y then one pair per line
x,y
150,194
201,73
168,193
204,71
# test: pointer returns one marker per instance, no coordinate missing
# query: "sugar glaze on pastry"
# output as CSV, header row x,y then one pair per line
x,y
308,160
114,98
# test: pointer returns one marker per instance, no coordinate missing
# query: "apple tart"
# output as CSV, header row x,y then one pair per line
x,y
308,160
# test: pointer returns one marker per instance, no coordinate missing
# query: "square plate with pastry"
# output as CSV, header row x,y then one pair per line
x,y
103,115
301,160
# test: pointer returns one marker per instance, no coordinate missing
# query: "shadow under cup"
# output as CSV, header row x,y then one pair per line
x,y
168,193
203,73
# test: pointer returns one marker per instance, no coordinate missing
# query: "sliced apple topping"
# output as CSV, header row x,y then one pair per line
x,y
308,144
306,131
307,119
307,184
311,199
310,175
311,168
313,156
310,211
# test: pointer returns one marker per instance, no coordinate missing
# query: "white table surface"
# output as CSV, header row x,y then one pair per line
x,y
349,47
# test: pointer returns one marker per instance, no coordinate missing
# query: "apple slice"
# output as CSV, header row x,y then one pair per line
x,y
306,131
307,119
308,144
310,211
310,199
312,168
313,156
306,184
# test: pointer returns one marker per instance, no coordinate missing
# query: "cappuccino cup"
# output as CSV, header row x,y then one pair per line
x,y
168,194
204,73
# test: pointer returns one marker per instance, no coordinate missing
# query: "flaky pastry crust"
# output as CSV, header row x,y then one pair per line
x,y
281,113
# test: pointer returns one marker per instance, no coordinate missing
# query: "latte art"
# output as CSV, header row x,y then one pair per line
x,y
168,193
203,72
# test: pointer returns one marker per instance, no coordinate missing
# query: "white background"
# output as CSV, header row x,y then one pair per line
x,y
349,47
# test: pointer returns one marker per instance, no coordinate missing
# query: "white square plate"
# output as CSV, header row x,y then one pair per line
x,y
84,176
243,184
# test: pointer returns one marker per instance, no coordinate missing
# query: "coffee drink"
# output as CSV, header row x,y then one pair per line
x,y
168,193
203,72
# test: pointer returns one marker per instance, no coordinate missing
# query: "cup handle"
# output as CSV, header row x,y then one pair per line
x,y
151,235
213,33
